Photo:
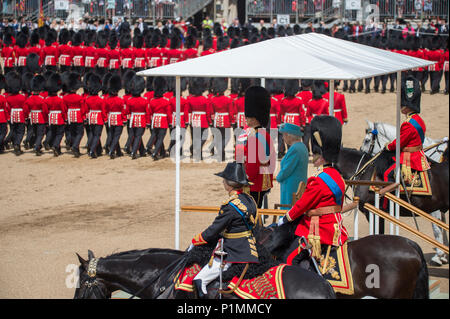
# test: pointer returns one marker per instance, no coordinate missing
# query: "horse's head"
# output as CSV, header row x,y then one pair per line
x,y
90,285
372,141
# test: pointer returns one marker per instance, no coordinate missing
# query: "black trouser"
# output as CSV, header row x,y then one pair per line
x,y
18,131
39,130
424,78
76,134
3,132
435,79
8,138
368,82
68,134
115,132
281,145
78,69
64,68
173,140
29,139
345,87
446,81
360,85
376,83
307,136
108,137
129,143
203,132
136,133
55,135
95,143
259,197
160,133
224,134
393,78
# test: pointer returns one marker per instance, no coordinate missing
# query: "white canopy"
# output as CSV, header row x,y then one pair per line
x,y
306,56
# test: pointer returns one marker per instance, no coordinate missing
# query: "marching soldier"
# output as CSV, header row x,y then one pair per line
x,y
320,205
76,110
3,115
115,107
102,54
113,54
90,60
57,113
316,106
7,52
233,226
126,53
50,51
340,107
17,110
21,51
65,51
78,52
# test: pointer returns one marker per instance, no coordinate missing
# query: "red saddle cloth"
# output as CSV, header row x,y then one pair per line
x,y
267,286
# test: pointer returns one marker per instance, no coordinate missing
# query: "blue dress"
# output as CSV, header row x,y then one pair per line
x,y
294,169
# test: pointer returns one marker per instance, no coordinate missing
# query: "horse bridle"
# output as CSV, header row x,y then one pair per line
x,y
92,280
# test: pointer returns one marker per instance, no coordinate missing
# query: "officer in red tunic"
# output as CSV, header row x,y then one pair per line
x,y
3,115
17,109
319,208
233,226
316,106
254,147
38,111
76,110
160,115
222,114
412,134
115,107
96,114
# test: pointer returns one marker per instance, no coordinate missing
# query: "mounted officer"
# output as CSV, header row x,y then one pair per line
x,y
233,226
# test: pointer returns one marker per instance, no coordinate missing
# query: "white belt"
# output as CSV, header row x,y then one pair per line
x,y
155,115
216,114
92,111
2,110
69,111
273,114
55,112
112,61
109,116
15,110
292,114
199,112
132,117
337,111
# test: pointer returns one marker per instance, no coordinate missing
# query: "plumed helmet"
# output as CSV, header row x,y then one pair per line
x,y
94,84
54,83
137,85
13,82
411,93
257,104
38,83
220,85
326,136
32,63
235,172
291,88
159,86
114,84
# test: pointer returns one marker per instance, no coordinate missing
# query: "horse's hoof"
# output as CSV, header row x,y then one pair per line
x,y
436,261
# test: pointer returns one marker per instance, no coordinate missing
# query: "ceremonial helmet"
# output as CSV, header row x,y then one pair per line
x,y
257,104
411,94
235,172
326,136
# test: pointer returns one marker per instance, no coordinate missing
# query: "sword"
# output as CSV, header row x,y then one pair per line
x,y
304,244
221,253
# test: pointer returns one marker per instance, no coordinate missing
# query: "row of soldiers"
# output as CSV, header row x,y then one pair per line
x,y
51,105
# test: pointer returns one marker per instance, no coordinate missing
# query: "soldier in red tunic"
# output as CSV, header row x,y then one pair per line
x,y
126,53
96,114
50,51
115,107
65,51
57,114
319,208
79,54
17,109
222,115
175,54
38,112
90,60
190,52
3,115
140,54
76,110
292,106
21,51
154,53
102,54
340,107
138,109
7,53
113,54
254,147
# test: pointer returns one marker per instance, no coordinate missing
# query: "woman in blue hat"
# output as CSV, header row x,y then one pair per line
x,y
294,165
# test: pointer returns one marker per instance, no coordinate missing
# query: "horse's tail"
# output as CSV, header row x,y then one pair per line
x,y
422,290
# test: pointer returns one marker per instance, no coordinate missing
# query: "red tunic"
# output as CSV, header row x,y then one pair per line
x,y
102,57
79,55
50,54
21,55
275,118
291,111
239,112
76,108
340,108
316,107
208,52
435,56
8,56
410,137
96,110
149,95
140,60
115,108
57,111
199,109
254,148
138,111
190,53
127,58
90,60
17,109
183,113
317,194
65,55
114,59
38,109
222,110
160,112
4,111
154,57
37,49
174,55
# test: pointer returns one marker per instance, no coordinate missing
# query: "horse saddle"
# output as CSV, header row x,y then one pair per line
x,y
416,182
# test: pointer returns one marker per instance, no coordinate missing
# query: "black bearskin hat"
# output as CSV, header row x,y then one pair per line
x,y
257,104
137,85
77,39
2,82
126,80
306,83
114,84
105,81
411,94
220,85
38,83
175,42
102,40
13,82
197,86
54,83
317,90
291,88
207,43
138,41
149,83
190,42
64,36
72,81
159,86
34,38
244,84
326,136
125,41
94,84
32,63
26,82
21,40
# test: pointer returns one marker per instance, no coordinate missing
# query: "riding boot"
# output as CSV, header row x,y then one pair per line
x,y
198,286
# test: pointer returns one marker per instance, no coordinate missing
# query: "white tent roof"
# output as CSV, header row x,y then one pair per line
x,y
306,56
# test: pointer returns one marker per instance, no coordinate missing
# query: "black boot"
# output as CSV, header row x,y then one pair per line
x,y
55,151
17,150
198,286
76,153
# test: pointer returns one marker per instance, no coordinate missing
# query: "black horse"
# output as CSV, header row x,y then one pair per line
x,y
351,159
396,264
148,274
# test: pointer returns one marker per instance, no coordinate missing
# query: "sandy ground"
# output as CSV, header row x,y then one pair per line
x,y
51,208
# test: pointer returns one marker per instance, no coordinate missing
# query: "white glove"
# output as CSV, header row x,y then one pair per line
x,y
445,139
190,247
281,221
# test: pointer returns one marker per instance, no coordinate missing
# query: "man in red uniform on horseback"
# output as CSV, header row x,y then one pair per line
x,y
321,204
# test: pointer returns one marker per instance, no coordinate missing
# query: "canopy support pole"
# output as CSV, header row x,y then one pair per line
x,y
177,165
397,148
331,96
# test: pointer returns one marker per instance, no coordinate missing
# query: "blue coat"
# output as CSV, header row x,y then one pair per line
x,y
294,169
